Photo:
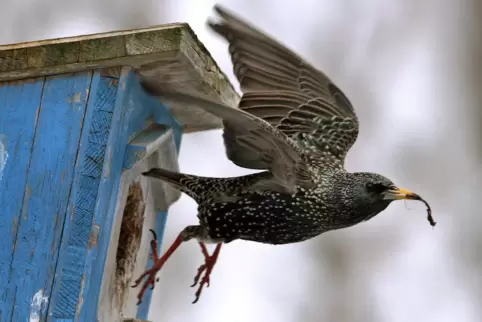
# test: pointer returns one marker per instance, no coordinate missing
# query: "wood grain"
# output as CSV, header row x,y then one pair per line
x,y
20,105
171,53
80,227
47,190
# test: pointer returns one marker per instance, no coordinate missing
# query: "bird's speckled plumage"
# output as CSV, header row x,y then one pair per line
x,y
292,122
233,208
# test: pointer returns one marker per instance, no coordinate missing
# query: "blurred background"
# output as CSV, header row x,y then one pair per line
x,y
413,71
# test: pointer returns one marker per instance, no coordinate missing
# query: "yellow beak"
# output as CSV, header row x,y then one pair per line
x,y
400,194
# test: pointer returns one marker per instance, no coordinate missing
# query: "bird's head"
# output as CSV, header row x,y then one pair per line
x,y
372,193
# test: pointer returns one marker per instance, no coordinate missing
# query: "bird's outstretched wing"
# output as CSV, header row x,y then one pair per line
x,y
271,148
285,91
290,113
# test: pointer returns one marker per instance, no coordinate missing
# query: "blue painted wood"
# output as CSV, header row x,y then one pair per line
x,y
47,191
133,111
143,309
60,194
79,231
138,148
19,106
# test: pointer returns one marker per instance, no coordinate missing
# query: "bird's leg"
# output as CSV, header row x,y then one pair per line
x,y
185,235
207,266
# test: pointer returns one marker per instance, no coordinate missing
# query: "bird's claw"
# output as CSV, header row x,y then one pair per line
x,y
154,237
204,281
200,270
150,281
205,270
150,273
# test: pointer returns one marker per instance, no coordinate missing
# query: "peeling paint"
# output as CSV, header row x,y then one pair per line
x,y
39,302
94,236
3,154
107,164
75,98
78,308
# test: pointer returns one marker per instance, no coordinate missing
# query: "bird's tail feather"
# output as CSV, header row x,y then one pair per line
x,y
198,187
181,181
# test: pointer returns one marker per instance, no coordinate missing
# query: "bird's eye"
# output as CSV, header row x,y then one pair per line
x,y
375,187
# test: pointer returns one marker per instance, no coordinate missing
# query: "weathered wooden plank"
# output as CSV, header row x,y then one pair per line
x,y
79,231
134,110
19,107
195,71
170,52
47,192
115,301
80,53
159,197
147,142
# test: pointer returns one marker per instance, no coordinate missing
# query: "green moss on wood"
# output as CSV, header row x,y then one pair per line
x,y
125,47
103,48
56,54
13,59
145,43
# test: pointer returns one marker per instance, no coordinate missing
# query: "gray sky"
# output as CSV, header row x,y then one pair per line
x,y
395,60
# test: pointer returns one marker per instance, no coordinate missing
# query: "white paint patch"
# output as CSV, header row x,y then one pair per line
x,y
39,302
3,154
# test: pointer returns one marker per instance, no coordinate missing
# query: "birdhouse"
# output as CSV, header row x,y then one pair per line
x,y
76,132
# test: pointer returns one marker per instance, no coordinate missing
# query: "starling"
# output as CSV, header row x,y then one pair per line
x,y
295,125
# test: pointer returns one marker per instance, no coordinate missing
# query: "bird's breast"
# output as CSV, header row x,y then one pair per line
x,y
268,217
